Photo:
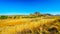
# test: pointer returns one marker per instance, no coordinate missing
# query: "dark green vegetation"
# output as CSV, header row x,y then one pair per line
x,y
3,17
36,14
36,23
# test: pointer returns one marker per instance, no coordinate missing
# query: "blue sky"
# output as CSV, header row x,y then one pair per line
x,y
11,7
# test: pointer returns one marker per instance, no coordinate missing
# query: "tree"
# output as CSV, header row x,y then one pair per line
x,y
37,14
14,17
3,17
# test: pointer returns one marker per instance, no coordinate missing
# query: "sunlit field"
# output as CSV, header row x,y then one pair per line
x,y
29,16
38,25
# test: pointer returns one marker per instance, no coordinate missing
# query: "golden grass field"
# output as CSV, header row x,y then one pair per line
x,y
30,26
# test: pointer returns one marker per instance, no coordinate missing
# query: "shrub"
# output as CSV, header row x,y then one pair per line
x,y
3,17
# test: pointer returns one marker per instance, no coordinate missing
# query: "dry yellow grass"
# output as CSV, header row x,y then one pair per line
x,y
19,26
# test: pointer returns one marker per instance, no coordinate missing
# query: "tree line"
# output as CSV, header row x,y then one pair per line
x,y
36,14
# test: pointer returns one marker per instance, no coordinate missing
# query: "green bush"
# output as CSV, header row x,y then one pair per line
x,y
3,17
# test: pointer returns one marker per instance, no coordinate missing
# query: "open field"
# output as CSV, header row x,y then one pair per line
x,y
30,26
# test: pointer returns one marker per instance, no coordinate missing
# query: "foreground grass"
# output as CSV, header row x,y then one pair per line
x,y
30,26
